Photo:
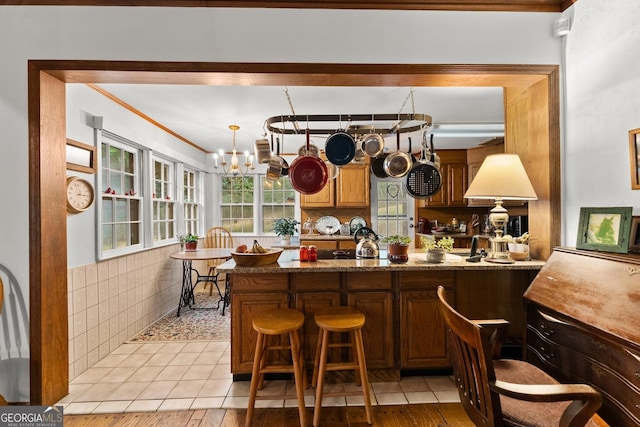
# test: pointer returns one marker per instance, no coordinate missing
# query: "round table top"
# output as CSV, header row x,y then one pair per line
x,y
201,254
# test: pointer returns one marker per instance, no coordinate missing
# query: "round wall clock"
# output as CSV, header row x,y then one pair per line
x,y
80,194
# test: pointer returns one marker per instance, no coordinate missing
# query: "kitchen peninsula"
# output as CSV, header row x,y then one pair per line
x,y
404,330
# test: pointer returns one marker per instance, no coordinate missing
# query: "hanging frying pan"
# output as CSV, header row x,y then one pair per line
x,y
284,171
377,166
373,144
399,163
332,169
413,158
424,179
308,174
340,148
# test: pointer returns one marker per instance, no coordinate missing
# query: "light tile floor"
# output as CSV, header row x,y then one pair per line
x,y
146,377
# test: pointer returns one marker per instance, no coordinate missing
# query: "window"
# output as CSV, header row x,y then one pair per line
x,y
278,201
236,213
121,201
393,208
164,215
191,199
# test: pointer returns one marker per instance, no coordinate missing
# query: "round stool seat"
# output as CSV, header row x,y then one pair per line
x,y
278,321
340,319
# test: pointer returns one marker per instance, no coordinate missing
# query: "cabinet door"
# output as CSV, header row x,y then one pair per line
x,y
322,199
377,332
456,184
243,336
422,331
309,303
352,186
472,171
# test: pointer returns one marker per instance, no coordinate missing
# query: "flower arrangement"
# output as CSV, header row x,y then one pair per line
x,y
285,226
397,240
430,244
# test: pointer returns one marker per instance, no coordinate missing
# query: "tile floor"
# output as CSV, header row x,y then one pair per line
x,y
196,375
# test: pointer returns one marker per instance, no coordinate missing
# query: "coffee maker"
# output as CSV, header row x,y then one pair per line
x,y
517,225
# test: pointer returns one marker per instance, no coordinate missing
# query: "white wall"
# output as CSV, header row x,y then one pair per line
x,y
602,105
216,34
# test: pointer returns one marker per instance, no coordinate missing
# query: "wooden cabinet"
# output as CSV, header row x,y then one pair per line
x,y
349,190
246,302
453,170
582,326
371,293
352,186
313,293
423,341
321,244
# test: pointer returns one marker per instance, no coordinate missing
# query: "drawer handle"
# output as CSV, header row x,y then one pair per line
x,y
546,331
638,374
545,354
598,371
598,345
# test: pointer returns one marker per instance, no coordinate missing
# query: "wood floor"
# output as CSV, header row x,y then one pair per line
x,y
423,415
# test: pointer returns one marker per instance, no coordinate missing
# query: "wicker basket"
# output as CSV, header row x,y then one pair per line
x,y
251,260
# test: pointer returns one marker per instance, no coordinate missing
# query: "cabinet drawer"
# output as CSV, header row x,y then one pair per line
x,y
369,281
427,280
622,359
321,244
304,282
620,396
243,283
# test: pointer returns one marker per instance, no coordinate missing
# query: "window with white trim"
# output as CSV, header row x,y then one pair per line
x,y
278,201
393,208
164,212
121,201
236,208
191,201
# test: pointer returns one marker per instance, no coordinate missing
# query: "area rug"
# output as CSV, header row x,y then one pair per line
x,y
203,323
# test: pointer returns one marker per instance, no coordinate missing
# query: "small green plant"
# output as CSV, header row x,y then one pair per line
x,y
397,240
430,243
190,238
285,226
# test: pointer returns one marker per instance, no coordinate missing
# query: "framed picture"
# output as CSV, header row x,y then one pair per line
x,y
81,157
604,229
634,155
634,240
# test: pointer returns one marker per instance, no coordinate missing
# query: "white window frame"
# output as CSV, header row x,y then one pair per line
x,y
166,201
192,201
402,222
262,179
136,194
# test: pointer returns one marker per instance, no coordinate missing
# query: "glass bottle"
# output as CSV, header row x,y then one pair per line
x,y
313,253
304,253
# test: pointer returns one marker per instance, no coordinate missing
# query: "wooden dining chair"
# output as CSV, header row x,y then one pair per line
x,y
502,392
216,237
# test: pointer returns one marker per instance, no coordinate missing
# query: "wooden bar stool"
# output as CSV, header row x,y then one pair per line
x,y
268,324
340,319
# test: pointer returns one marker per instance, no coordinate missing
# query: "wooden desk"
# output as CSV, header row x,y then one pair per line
x,y
186,295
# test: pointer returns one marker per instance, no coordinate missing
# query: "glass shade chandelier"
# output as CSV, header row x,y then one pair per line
x,y
234,168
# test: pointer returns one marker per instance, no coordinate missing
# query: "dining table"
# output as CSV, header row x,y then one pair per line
x,y
187,296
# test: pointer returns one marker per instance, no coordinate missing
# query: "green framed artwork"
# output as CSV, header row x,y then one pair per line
x,y
605,229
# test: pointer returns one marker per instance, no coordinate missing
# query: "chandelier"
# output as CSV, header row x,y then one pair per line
x,y
235,168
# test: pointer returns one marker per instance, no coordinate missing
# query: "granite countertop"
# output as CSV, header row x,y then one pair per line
x,y
289,263
325,237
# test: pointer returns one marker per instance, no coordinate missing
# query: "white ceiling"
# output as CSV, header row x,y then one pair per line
x,y
462,117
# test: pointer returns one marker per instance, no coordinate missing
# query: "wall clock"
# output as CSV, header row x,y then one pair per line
x,y
80,194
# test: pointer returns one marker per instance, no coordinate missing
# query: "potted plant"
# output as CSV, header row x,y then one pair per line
x,y
285,228
190,241
436,249
398,248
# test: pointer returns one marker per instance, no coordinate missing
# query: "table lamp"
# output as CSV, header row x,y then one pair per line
x,y
500,177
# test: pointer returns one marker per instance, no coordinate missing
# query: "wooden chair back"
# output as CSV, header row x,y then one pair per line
x,y
217,237
472,365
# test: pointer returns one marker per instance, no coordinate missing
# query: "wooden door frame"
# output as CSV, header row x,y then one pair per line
x,y
47,164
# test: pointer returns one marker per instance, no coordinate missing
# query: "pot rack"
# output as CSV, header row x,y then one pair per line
x,y
367,126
